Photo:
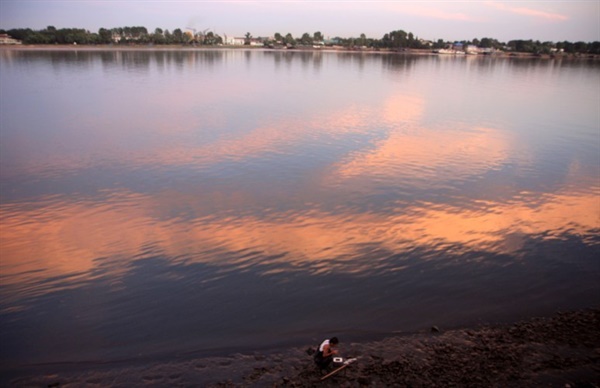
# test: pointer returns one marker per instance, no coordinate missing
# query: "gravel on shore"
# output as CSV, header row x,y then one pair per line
x,y
558,351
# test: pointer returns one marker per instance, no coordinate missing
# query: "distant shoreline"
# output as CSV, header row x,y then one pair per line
x,y
302,49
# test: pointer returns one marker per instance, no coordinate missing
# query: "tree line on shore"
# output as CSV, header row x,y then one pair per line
x,y
397,40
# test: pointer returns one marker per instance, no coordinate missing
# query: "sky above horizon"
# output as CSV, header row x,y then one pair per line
x,y
448,20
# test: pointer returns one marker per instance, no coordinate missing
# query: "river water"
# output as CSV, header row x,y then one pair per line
x,y
162,203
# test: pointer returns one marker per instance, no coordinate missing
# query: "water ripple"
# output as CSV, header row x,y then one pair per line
x,y
353,185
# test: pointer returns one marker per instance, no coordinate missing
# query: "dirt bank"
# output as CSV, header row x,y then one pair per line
x,y
563,350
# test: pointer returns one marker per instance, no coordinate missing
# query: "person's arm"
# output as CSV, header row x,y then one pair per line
x,y
328,351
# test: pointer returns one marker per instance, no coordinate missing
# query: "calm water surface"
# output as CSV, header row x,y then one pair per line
x,y
159,203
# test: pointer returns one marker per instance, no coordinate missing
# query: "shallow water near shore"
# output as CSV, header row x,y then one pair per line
x,y
163,203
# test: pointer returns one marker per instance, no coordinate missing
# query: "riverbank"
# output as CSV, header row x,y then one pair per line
x,y
558,351
112,47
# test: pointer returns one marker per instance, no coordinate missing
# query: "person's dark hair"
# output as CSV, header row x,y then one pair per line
x,y
334,340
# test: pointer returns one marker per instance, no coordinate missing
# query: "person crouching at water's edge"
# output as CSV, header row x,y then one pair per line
x,y
324,355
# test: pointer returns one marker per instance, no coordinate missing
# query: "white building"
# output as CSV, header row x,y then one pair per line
x,y
233,41
7,39
472,49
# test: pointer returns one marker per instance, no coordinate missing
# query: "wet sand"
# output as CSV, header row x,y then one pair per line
x,y
558,351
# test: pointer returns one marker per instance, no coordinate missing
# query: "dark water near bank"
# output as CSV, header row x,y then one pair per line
x,y
181,202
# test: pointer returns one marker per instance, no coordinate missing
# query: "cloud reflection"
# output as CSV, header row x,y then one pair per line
x,y
388,144
412,152
56,236
425,155
69,238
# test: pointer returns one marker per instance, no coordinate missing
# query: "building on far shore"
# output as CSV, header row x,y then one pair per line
x,y
257,42
233,41
472,49
7,39
426,43
241,41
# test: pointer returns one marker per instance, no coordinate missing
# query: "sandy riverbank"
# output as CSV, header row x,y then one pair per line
x,y
559,351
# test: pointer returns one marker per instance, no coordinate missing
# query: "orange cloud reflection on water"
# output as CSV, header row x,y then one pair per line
x,y
271,136
424,154
401,109
419,156
69,238
59,237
